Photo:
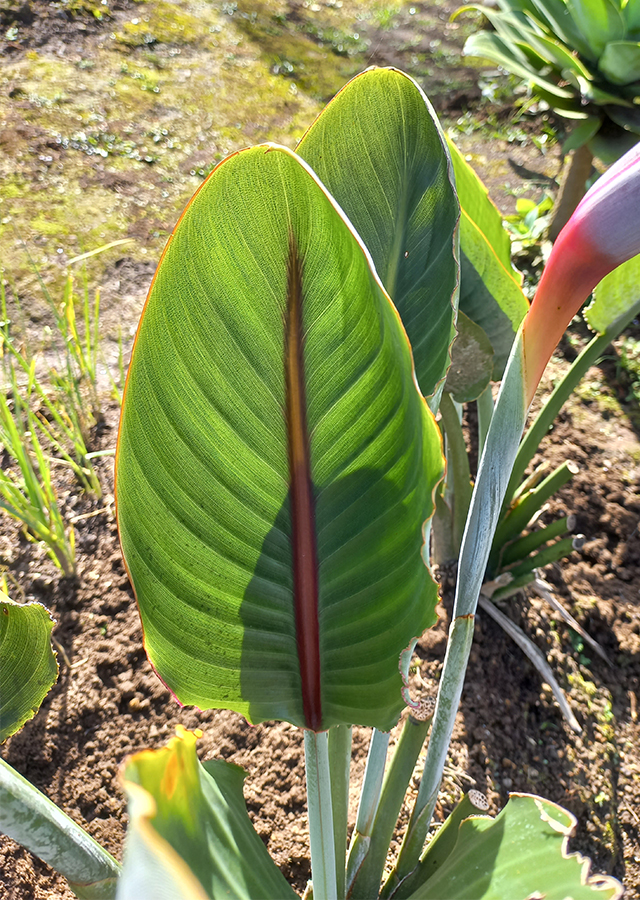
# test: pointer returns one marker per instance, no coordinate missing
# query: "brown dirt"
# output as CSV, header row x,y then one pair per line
x,y
509,735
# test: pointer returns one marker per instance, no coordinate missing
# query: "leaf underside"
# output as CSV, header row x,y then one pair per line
x,y
490,294
275,461
28,666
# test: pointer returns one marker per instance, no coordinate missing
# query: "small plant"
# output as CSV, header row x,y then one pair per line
x,y
529,225
583,59
276,477
30,496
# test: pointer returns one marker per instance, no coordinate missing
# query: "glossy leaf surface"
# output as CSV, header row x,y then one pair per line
x,y
276,462
379,150
498,50
32,820
190,836
600,21
28,666
523,852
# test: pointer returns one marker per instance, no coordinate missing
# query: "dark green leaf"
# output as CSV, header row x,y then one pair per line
x,y
523,852
620,62
490,293
379,150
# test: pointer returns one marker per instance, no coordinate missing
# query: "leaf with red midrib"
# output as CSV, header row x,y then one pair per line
x,y
276,461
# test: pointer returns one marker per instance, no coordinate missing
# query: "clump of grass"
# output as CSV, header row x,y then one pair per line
x,y
30,496
44,424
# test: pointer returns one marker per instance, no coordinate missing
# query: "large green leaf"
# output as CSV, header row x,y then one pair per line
x,y
28,665
492,46
631,13
30,818
556,14
480,208
561,57
600,21
276,462
190,836
379,150
617,295
490,293
523,852
620,62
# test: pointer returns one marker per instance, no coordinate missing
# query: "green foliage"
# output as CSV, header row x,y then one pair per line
x,y
393,182
27,491
530,223
212,477
581,56
277,468
30,818
522,852
191,838
190,835
490,292
28,666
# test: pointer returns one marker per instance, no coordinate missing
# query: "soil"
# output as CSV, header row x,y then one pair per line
x,y
107,703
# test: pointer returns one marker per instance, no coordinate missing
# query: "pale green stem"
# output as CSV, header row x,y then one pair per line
x,y
30,818
372,784
459,462
484,406
524,510
549,555
547,415
339,765
521,548
396,781
493,475
368,805
321,833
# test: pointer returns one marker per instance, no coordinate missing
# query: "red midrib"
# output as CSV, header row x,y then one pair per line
x,y
305,553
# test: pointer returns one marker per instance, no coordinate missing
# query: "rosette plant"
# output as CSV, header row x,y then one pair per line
x,y
277,468
583,58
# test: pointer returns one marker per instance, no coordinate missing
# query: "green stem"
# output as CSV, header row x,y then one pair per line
x,y
29,817
547,415
339,765
493,475
394,789
368,805
550,554
517,519
451,681
321,827
513,587
484,405
372,784
521,548
459,460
